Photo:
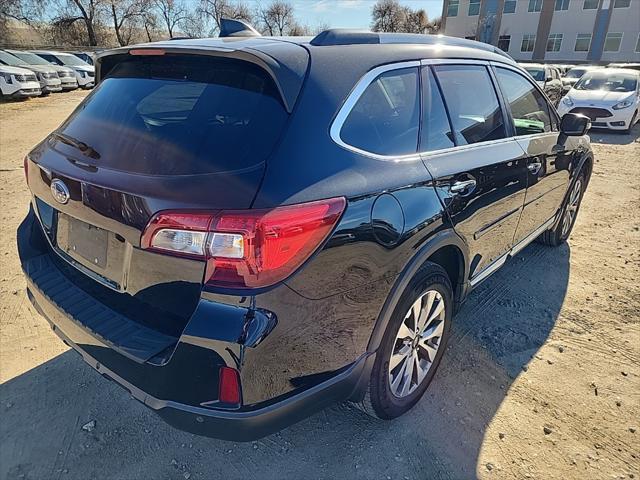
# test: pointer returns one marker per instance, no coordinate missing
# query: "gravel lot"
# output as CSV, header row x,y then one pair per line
x,y
542,377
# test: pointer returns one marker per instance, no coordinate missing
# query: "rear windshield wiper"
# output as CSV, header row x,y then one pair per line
x,y
83,147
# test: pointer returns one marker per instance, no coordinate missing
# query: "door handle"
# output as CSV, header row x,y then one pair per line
x,y
464,187
534,167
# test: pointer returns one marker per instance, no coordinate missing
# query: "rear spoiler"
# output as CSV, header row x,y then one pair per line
x,y
286,66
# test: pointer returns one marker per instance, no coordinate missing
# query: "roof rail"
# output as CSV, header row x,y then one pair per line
x,y
341,36
236,28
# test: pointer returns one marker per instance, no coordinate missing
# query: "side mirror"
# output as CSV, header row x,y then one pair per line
x,y
548,78
574,125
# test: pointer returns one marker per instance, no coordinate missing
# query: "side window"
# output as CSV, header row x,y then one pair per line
x,y
528,107
51,58
435,133
386,116
473,105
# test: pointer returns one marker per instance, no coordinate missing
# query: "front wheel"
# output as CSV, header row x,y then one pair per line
x,y
413,344
631,123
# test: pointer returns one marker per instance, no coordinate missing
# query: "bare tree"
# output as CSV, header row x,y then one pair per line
x,y
126,16
391,16
416,21
277,18
194,24
172,13
150,24
388,16
28,12
218,9
85,11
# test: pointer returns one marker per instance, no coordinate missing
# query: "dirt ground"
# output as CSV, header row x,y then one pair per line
x,y
541,380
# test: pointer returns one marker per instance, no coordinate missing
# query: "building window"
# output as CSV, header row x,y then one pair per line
x,y
583,42
509,6
528,42
535,5
590,4
638,44
621,3
504,42
452,8
612,42
474,7
562,5
554,42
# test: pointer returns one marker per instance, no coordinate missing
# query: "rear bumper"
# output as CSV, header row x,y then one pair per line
x,y
231,425
182,386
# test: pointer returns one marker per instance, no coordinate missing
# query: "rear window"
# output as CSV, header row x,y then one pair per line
x,y
179,115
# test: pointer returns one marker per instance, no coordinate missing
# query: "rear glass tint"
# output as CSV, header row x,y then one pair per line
x,y
179,115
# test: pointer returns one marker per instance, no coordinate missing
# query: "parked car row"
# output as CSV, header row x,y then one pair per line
x,y
41,72
609,96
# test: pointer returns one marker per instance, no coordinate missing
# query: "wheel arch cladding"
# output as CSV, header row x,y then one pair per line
x,y
446,249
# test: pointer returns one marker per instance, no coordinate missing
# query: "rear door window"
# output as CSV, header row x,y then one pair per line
x,y
529,109
473,105
435,132
180,115
385,119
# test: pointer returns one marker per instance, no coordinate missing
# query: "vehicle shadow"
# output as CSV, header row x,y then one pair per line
x,y
496,333
615,137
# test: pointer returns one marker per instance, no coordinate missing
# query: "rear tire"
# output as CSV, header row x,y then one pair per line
x,y
569,212
406,362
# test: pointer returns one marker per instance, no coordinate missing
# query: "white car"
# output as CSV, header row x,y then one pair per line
x,y
47,75
85,73
574,74
67,75
609,97
16,82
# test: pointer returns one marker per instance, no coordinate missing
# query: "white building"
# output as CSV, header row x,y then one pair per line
x,y
595,31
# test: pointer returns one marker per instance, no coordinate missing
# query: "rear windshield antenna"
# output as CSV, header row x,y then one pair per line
x,y
236,28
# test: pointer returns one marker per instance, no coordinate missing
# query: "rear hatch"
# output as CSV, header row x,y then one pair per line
x,y
159,133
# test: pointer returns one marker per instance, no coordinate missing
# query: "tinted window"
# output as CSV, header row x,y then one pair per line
x,y
472,102
50,58
180,115
385,118
528,107
435,133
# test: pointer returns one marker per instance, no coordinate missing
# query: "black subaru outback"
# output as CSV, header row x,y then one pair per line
x,y
240,231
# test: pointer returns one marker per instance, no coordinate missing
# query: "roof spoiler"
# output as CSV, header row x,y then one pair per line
x,y
236,28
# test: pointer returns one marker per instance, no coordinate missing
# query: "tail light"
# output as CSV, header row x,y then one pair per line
x,y
229,386
246,248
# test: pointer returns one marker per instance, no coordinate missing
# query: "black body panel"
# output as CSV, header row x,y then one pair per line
x,y
148,321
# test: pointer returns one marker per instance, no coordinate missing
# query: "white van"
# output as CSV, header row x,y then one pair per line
x,y
84,72
47,75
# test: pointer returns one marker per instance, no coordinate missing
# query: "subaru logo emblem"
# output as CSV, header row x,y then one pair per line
x,y
60,191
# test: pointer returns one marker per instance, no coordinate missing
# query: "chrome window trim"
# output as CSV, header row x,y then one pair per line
x,y
370,76
552,110
364,82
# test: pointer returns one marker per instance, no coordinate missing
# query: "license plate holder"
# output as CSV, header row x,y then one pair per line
x,y
87,241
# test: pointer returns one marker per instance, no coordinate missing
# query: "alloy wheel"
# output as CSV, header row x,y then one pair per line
x,y
571,210
417,343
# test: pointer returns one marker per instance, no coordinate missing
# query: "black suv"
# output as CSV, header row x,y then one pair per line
x,y
241,231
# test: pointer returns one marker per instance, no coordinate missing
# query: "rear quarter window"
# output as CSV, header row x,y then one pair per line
x,y
180,115
385,119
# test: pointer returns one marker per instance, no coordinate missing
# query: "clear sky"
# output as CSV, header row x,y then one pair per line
x,y
350,13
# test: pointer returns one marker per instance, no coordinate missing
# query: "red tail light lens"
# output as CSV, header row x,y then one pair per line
x,y
246,248
229,386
